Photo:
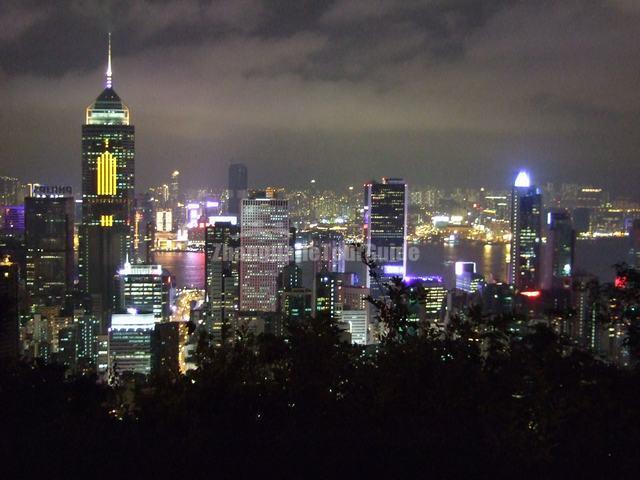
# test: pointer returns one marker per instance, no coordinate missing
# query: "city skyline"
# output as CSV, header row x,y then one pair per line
x,y
287,91
307,231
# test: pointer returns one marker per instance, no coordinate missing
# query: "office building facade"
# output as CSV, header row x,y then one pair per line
x,y
264,241
129,347
49,228
222,277
385,228
145,289
560,250
526,217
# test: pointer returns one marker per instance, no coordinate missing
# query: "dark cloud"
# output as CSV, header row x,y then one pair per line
x,y
427,89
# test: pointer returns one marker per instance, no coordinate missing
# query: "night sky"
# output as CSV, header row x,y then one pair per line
x,y
457,92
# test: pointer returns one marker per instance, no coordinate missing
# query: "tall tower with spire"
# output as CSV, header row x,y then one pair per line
x,y
108,182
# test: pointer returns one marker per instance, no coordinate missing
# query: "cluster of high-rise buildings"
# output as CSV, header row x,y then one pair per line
x,y
95,304
79,285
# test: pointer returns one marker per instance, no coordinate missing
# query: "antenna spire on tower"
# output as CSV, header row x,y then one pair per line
x,y
109,73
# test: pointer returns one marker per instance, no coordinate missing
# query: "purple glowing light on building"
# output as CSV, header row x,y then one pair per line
x,y
409,280
14,218
393,270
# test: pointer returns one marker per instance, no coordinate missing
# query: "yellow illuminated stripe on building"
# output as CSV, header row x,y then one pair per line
x,y
107,174
106,220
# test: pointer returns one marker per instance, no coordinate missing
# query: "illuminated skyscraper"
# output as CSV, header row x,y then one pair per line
x,y
467,279
13,220
358,321
432,297
145,288
264,241
328,295
237,186
106,233
634,234
176,201
329,251
130,342
559,248
164,221
294,302
87,341
174,195
385,227
222,277
143,236
49,221
526,212
290,277
354,297
9,321
590,197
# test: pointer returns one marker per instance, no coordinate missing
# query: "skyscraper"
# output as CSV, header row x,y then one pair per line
x,y
145,288
164,221
467,279
294,302
264,240
130,342
66,353
9,187
174,195
49,221
385,228
108,183
13,221
634,234
526,212
9,326
237,186
559,250
87,341
290,277
175,201
328,295
430,294
329,251
167,348
222,277
143,236
354,297
358,321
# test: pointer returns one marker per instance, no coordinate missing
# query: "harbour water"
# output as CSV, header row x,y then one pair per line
x,y
187,268
592,256
596,257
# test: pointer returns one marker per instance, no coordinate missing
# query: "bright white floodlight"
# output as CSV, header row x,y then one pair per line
x,y
523,180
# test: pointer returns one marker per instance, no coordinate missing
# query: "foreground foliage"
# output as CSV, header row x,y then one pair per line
x,y
307,404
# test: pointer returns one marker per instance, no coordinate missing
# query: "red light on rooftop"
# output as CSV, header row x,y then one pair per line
x,y
620,282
